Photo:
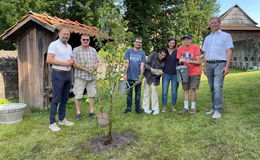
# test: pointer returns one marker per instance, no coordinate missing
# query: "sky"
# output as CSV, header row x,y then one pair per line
x,y
251,7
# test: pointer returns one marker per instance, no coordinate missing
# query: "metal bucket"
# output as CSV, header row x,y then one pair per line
x,y
11,113
182,74
122,86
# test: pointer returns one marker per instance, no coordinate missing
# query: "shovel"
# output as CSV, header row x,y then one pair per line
x,y
102,116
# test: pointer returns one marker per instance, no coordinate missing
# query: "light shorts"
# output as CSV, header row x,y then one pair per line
x,y
80,85
194,82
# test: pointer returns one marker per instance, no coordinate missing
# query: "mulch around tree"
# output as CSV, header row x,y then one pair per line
x,y
120,140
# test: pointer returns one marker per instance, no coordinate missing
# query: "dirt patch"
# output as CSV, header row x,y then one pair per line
x,y
120,140
36,149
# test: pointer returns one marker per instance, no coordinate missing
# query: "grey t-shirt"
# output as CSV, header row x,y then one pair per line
x,y
135,58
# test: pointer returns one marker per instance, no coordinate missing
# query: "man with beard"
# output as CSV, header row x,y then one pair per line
x,y
135,58
60,56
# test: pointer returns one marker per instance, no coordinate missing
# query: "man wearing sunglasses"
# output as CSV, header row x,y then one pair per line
x,y
86,62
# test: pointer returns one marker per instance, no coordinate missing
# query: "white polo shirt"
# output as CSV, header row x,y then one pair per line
x,y
62,52
216,45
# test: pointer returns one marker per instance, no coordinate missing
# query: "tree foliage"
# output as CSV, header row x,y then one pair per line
x,y
157,20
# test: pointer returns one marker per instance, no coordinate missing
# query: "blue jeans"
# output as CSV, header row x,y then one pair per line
x,y
137,96
167,78
216,80
61,83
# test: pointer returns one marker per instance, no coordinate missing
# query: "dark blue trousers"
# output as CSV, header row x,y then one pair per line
x,y
137,96
61,83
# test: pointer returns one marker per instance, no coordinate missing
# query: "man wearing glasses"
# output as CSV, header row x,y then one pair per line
x,y
86,62
135,59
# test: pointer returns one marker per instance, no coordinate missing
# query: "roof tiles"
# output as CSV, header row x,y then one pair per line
x,y
56,22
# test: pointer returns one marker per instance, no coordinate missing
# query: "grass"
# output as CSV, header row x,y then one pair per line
x,y
165,136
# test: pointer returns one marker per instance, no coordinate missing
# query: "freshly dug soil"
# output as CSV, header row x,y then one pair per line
x,y
120,140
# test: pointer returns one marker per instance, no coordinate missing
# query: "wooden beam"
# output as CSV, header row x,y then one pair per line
x,y
5,35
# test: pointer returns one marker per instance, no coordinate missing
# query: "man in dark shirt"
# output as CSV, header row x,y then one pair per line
x,y
152,74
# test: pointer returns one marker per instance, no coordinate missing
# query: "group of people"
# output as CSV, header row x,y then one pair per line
x,y
217,50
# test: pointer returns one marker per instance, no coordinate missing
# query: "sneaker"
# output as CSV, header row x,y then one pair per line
x,y
173,109
156,112
127,111
78,117
210,112
164,109
147,111
92,114
65,122
183,111
139,111
54,127
216,115
192,111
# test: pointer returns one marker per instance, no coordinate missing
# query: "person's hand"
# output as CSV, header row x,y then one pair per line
x,y
161,73
140,78
125,77
182,60
204,70
68,63
152,70
225,71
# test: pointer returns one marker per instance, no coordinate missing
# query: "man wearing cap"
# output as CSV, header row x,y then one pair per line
x,y
189,55
218,49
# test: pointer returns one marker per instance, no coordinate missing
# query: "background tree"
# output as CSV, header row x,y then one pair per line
x,y
157,20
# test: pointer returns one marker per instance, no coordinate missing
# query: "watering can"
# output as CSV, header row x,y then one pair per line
x,y
122,86
182,74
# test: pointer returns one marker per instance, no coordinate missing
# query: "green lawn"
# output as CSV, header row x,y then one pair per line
x,y
166,136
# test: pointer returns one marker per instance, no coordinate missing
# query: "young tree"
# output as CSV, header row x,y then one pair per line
x,y
112,53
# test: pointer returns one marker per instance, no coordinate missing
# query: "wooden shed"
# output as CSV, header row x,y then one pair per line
x,y
237,22
33,34
246,36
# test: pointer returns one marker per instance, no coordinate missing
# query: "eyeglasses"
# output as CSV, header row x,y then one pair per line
x,y
85,39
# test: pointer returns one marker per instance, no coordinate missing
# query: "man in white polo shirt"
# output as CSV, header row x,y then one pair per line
x,y
60,56
218,50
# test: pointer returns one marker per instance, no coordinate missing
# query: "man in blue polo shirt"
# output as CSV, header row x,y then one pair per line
x,y
135,58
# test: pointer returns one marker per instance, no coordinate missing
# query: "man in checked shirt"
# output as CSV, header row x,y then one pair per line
x,y
86,62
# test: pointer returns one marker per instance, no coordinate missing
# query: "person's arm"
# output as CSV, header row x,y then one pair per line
x,y
229,52
51,60
149,60
197,61
142,68
204,61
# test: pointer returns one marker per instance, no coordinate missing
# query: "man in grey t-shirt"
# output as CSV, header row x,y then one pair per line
x,y
135,58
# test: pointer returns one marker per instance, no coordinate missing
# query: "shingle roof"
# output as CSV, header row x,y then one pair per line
x,y
232,8
53,23
241,28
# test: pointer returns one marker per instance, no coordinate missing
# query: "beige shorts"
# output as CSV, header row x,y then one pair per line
x,y
80,85
194,82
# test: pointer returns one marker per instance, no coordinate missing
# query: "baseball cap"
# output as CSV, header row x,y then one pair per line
x,y
186,36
